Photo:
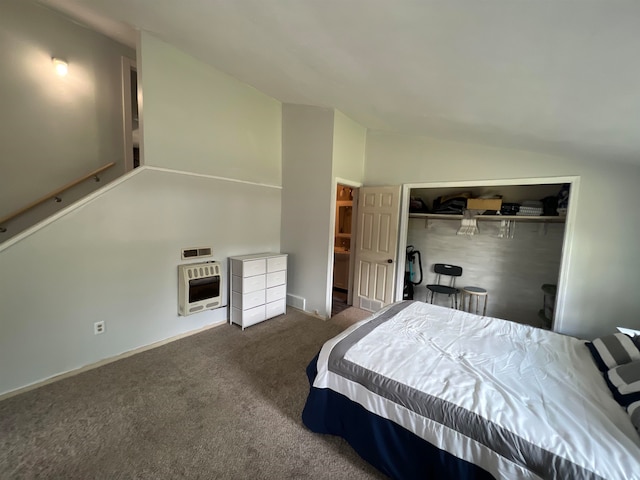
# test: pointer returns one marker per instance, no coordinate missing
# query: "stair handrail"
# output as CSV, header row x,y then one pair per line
x,y
54,194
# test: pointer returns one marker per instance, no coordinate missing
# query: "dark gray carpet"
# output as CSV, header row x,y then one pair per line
x,y
220,404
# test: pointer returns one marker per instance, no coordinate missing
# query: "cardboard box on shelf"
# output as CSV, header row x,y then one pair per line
x,y
484,203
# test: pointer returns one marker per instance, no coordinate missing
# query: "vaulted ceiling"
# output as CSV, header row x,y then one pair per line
x,y
556,76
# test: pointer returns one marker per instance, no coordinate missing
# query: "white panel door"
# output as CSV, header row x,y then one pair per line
x,y
376,246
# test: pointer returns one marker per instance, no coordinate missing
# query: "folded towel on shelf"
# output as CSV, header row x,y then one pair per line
x,y
531,208
529,211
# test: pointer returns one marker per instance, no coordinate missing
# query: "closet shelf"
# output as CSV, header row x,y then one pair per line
x,y
517,218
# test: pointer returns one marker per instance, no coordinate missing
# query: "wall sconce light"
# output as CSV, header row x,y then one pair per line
x,y
61,66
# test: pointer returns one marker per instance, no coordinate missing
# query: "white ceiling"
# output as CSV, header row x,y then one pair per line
x,y
557,76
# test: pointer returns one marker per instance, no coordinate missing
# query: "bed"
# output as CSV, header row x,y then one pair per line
x,y
422,391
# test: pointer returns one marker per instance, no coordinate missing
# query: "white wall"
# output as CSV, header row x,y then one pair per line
x,y
55,129
199,119
319,145
115,259
604,256
349,146
307,201
349,142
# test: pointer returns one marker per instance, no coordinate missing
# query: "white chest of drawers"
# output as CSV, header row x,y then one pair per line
x,y
258,287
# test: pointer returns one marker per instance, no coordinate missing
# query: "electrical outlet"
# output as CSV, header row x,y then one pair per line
x,y
98,328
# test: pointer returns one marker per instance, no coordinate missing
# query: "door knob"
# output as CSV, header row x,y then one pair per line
x,y
390,260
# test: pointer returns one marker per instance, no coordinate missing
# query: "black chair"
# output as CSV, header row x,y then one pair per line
x,y
451,271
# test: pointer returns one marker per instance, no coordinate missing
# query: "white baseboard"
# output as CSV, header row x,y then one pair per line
x,y
106,361
296,301
300,303
318,316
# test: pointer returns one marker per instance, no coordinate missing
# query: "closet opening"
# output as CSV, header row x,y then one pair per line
x,y
509,237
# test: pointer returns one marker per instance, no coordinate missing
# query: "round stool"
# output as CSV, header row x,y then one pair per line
x,y
476,292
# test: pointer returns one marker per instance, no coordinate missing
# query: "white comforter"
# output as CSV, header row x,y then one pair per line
x,y
541,386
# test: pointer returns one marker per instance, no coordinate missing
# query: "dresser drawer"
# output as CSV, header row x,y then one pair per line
x,y
276,293
275,264
276,278
276,308
248,284
246,318
247,300
248,268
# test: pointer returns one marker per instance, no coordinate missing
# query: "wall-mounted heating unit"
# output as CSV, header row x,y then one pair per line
x,y
199,287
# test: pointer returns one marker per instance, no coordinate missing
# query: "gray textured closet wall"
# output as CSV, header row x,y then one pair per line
x,y
512,270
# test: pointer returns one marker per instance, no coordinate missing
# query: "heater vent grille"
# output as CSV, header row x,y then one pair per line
x,y
196,252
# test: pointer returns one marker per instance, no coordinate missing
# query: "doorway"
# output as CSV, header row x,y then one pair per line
x,y
131,114
342,256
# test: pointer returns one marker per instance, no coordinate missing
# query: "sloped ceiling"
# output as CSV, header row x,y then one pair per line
x,y
556,76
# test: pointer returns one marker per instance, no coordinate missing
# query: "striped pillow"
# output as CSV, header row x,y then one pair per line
x,y
634,413
613,350
624,381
